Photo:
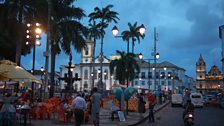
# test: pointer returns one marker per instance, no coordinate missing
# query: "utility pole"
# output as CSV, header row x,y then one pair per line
x,y
154,54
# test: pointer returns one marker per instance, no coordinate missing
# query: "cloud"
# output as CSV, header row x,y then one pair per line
x,y
186,29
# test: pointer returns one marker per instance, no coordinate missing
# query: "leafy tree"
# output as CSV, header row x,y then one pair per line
x,y
133,34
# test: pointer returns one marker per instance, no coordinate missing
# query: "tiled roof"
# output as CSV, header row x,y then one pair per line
x,y
159,65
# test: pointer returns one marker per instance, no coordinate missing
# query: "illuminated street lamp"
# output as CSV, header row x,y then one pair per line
x,y
33,35
141,58
115,30
164,68
105,78
42,72
141,30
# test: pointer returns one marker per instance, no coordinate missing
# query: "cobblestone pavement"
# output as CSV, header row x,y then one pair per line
x,y
133,118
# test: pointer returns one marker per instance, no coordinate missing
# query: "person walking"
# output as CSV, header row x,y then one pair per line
x,y
8,111
96,97
141,105
79,106
152,102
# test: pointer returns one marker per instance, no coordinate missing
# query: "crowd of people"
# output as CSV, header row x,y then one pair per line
x,y
84,107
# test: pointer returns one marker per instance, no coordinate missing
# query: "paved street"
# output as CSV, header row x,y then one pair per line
x,y
207,116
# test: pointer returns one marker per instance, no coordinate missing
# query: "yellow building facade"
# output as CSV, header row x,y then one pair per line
x,y
207,83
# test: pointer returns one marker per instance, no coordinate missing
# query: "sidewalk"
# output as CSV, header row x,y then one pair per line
x,y
132,119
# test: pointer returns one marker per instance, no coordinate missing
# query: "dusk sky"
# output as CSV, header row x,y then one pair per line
x,y
186,29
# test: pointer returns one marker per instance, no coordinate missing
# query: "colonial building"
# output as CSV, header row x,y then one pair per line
x,y
207,82
166,76
89,77
171,78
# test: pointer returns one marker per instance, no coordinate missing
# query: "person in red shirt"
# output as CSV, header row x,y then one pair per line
x,y
27,96
152,102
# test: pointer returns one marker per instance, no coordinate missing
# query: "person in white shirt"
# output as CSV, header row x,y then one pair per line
x,y
79,105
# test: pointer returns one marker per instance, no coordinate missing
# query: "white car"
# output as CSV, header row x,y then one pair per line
x,y
197,99
176,99
208,99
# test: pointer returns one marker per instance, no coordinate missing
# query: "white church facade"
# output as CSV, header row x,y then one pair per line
x,y
172,78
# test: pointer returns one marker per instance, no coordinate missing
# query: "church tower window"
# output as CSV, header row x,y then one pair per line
x,y
86,51
86,74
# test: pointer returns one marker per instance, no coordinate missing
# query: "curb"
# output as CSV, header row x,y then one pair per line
x,y
145,118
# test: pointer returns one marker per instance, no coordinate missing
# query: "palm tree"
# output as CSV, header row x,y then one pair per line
x,y
104,16
133,34
66,31
124,68
94,33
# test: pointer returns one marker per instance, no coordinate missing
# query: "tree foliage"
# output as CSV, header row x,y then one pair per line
x,y
133,34
125,67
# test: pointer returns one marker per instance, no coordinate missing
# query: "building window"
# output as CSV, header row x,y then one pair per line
x,y
87,51
99,75
136,82
86,74
95,74
143,82
163,82
136,75
85,85
169,75
169,82
157,75
200,76
150,75
200,85
76,87
143,75
163,75
105,75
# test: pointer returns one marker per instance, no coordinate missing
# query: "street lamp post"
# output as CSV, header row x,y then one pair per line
x,y
41,76
141,58
132,35
166,87
141,31
33,34
92,77
115,32
155,54
105,74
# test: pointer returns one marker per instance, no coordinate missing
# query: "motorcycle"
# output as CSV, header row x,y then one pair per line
x,y
188,119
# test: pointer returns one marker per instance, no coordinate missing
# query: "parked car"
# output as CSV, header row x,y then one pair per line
x,y
176,99
221,100
207,99
197,99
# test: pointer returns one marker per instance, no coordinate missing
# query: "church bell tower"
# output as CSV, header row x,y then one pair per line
x,y
200,74
87,52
